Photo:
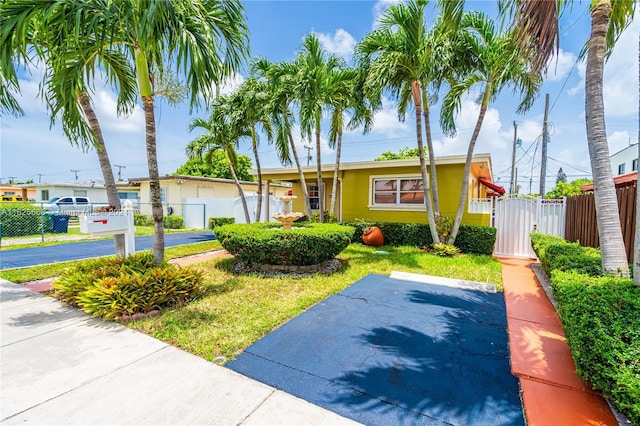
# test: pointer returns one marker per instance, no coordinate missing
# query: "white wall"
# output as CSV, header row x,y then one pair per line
x,y
626,157
197,211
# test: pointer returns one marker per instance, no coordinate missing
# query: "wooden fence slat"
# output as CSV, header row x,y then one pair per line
x,y
581,224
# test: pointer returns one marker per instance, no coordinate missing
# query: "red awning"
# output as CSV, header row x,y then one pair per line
x,y
500,190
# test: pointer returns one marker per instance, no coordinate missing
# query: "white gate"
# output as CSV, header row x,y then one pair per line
x,y
516,217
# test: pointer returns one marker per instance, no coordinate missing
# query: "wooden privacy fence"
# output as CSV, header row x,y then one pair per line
x,y
581,224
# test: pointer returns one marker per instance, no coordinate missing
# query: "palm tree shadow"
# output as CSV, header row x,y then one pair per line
x,y
453,369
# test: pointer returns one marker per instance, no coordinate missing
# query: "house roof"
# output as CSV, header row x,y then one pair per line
x,y
95,183
479,159
627,179
137,181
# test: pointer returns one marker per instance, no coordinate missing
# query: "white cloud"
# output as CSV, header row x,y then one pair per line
x,y
379,8
105,105
620,71
386,120
561,65
621,74
490,139
618,141
340,42
230,84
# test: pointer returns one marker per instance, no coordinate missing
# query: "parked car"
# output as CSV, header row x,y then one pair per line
x,y
12,198
68,203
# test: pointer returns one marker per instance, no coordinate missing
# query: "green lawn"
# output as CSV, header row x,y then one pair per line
x,y
236,310
47,271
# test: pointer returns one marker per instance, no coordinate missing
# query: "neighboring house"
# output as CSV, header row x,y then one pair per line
x,y
13,191
620,181
93,189
197,198
391,191
625,160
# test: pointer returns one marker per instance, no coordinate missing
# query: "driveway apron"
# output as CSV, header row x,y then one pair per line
x,y
388,351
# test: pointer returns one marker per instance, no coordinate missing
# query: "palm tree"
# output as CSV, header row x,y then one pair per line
x,y
205,41
314,65
346,94
395,55
536,25
281,81
65,86
248,112
219,136
495,64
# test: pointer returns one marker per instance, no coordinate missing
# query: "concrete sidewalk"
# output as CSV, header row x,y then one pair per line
x,y
60,366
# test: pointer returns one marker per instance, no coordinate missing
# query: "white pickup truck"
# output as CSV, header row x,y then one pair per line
x,y
64,204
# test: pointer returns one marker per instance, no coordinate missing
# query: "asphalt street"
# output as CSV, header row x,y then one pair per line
x,y
20,258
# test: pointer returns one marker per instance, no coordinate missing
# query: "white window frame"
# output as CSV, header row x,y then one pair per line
x,y
397,207
315,185
163,194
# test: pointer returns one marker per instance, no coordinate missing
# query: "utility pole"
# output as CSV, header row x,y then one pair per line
x,y
545,141
512,186
39,177
308,148
119,171
11,180
76,173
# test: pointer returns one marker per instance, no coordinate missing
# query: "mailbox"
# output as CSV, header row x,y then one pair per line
x,y
100,224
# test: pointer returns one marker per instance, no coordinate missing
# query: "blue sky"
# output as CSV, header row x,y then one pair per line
x,y
31,150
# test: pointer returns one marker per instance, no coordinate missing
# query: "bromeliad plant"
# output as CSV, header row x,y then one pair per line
x,y
117,287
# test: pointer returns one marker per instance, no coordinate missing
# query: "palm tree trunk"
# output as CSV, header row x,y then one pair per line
x,y
105,164
417,101
303,182
335,172
154,179
259,169
241,192
462,202
319,169
432,156
614,259
636,248
146,94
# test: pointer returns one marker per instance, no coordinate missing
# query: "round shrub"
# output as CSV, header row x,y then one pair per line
x,y
269,244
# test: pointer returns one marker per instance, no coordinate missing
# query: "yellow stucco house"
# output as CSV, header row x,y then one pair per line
x,y
391,191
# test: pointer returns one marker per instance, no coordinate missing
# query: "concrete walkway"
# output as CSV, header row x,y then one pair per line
x,y
60,366
551,391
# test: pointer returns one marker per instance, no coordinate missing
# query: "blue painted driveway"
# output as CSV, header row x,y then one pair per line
x,y
391,352
21,258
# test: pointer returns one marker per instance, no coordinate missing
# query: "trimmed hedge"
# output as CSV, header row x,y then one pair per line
x,y
219,221
142,220
269,244
471,238
557,254
20,219
173,222
601,317
169,222
111,288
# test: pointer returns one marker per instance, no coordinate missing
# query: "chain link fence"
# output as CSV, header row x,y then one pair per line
x,y
25,224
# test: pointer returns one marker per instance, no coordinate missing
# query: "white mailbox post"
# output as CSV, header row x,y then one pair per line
x,y
121,222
